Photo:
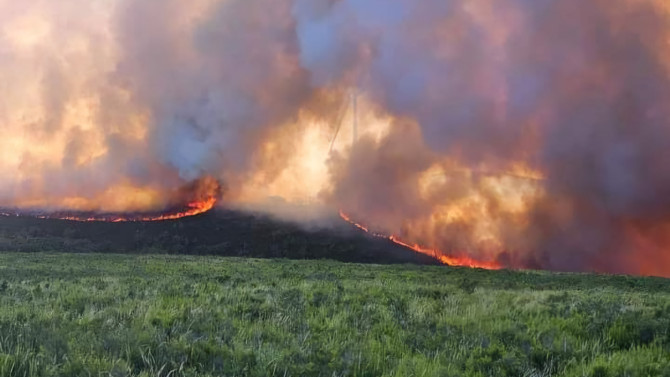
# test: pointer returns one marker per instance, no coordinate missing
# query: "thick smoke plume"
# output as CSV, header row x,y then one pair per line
x,y
534,133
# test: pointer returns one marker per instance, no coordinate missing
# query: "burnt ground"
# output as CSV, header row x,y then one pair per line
x,y
219,232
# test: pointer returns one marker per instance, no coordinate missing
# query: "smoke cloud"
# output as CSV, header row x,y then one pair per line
x,y
533,133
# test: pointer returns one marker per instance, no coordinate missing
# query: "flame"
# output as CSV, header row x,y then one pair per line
x,y
192,209
200,197
451,260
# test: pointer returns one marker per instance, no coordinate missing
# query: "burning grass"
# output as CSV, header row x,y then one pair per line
x,y
64,314
195,198
450,260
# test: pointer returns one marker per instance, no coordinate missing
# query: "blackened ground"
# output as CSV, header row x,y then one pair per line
x,y
220,232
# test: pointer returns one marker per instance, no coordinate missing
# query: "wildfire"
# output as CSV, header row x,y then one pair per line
x,y
200,196
192,209
463,261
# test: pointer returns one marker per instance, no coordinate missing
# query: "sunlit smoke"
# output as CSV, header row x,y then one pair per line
x,y
527,134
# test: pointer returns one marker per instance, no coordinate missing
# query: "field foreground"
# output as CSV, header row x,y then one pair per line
x,y
125,315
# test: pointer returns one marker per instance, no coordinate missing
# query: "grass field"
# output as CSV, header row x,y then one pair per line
x,y
125,315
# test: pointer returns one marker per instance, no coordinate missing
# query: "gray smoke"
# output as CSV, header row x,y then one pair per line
x,y
577,91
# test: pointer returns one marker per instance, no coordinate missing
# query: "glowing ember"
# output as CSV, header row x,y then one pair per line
x,y
463,261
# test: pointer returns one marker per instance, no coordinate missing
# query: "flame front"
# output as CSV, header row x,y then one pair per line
x,y
192,209
199,197
451,260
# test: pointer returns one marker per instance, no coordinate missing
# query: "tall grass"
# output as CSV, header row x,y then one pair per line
x,y
120,315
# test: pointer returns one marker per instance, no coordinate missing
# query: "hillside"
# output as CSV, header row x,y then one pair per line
x,y
130,315
220,232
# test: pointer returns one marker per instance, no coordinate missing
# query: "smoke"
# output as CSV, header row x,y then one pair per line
x,y
529,132
576,92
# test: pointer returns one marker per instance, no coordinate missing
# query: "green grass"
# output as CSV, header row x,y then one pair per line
x,y
124,315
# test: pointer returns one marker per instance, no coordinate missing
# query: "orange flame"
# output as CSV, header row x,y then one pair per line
x,y
200,196
462,261
192,209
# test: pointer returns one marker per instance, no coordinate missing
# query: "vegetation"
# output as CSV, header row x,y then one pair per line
x,y
221,232
135,315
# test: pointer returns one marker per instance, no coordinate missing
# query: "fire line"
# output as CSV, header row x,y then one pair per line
x,y
461,261
191,209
